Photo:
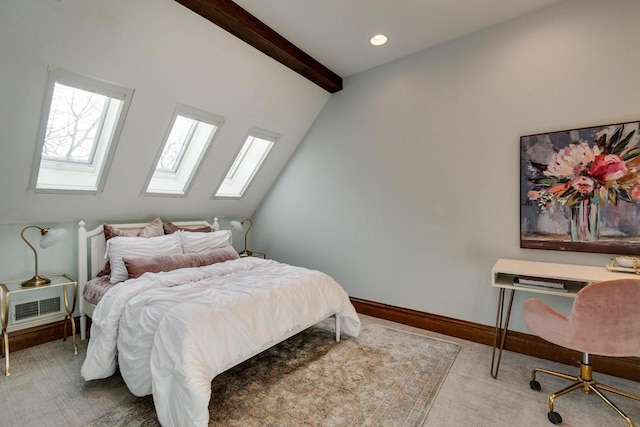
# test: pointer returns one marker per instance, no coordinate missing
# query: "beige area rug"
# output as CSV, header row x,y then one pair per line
x,y
385,377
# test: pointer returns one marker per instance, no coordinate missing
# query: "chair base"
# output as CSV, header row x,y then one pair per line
x,y
588,386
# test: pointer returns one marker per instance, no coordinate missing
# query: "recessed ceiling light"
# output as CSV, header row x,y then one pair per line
x,y
378,40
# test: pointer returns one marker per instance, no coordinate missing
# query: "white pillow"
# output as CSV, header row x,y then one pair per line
x,y
202,242
119,247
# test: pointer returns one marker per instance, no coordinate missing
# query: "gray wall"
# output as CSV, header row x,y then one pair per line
x,y
406,187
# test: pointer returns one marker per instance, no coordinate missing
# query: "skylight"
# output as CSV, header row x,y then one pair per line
x,y
255,149
185,145
75,119
82,120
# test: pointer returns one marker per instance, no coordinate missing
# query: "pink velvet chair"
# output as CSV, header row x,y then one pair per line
x,y
605,320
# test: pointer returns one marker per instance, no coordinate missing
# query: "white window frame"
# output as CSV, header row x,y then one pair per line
x,y
194,114
68,78
255,133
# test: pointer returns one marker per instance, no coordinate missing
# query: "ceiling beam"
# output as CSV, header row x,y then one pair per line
x,y
231,17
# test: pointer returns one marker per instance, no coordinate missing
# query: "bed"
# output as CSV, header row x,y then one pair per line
x,y
171,332
92,258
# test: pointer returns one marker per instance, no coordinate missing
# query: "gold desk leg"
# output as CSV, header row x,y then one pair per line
x,y
501,331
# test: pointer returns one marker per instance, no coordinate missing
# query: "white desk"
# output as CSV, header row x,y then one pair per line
x,y
505,270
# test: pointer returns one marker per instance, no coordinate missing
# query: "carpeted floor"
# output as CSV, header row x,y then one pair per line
x,y
385,377
45,388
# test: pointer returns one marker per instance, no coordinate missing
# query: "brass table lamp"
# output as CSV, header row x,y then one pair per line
x,y
240,226
50,236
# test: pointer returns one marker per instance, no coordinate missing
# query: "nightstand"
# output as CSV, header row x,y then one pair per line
x,y
14,287
255,254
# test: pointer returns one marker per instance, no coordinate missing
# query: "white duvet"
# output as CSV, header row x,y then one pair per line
x,y
172,333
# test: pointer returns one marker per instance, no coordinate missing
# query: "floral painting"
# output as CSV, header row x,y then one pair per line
x,y
580,190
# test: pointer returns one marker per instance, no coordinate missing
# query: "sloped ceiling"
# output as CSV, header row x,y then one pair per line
x,y
242,24
169,56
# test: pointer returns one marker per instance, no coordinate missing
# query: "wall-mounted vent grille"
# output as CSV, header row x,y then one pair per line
x,y
33,309
26,310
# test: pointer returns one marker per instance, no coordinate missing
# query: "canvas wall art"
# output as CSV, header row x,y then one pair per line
x,y
580,190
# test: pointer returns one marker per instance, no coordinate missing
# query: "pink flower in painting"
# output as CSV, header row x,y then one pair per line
x,y
559,188
571,160
533,195
583,184
605,170
608,167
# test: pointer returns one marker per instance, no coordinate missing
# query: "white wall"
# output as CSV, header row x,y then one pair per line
x,y
406,187
170,56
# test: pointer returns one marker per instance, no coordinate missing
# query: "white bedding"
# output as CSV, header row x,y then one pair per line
x,y
173,347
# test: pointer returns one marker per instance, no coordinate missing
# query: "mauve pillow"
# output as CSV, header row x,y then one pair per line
x,y
111,231
154,229
170,228
136,267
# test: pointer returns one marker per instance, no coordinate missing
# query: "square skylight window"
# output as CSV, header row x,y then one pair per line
x,y
186,143
252,154
82,120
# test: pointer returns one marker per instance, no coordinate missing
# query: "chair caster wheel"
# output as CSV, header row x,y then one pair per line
x,y
554,417
535,385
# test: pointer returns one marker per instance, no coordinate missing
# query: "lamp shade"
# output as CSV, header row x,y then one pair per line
x,y
237,225
53,236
